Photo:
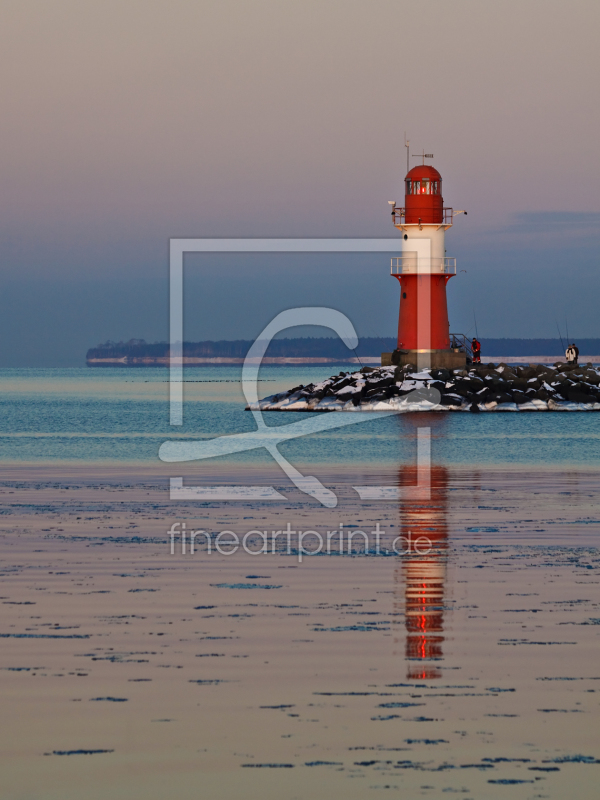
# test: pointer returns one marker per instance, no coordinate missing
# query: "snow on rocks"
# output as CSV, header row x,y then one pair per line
x,y
483,387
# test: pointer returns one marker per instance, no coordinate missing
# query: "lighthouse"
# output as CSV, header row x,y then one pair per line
x,y
423,271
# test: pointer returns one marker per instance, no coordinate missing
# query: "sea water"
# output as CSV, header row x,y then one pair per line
x,y
122,415
133,669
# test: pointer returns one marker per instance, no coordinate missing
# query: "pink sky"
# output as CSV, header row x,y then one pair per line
x,y
126,123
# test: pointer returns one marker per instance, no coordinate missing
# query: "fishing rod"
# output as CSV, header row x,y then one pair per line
x,y
562,344
475,319
358,357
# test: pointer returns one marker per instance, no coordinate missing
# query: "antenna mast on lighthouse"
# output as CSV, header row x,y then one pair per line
x,y
423,155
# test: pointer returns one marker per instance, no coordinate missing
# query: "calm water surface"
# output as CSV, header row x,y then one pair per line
x,y
121,415
132,671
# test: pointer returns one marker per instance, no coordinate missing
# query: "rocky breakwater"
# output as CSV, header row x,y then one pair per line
x,y
484,387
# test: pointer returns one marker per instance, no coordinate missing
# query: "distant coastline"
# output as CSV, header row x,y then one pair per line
x,y
325,350
198,362
138,353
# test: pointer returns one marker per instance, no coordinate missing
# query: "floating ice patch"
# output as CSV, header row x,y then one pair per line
x,y
427,741
77,752
245,586
368,627
44,636
482,530
578,759
109,699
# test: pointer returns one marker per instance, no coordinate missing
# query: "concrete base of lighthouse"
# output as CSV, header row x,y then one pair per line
x,y
430,359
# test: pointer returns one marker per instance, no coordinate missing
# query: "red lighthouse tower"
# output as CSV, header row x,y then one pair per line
x,y
423,271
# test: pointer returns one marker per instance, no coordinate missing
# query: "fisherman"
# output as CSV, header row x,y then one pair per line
x,y
572,354
476,348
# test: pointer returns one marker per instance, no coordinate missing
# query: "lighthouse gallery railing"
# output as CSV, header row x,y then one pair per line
x,y
406,265
399,215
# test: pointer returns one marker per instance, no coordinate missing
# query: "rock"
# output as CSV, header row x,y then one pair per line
x,y
546,375
424,394
441,375
526,372
461,390
439,385
566,388
342,384
381,384
519,397
578,396
451,400
392,391
553,405
474,408
378,394
501,397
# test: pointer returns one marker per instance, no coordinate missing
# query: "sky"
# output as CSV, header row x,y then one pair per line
x,y
125,123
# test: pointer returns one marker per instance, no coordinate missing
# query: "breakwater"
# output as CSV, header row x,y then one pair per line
x,y
484,387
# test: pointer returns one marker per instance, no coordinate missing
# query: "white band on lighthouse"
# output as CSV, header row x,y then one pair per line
x,y
416,254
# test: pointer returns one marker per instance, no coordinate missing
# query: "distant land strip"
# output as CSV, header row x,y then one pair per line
x,y
324,350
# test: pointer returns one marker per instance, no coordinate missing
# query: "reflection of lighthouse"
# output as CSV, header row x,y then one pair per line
x,y
424,574
423,271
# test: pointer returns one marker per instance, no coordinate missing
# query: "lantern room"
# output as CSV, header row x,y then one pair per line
x,y
423,201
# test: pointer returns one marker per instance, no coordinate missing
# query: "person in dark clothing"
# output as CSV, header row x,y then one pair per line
x,y
476,348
